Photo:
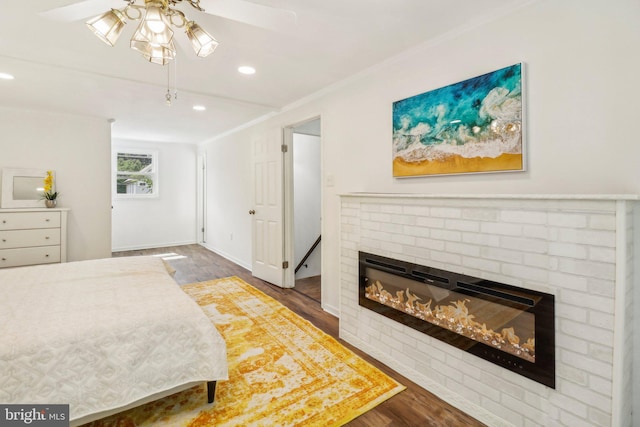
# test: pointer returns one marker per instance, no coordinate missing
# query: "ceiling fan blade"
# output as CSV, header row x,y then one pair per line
x,y
244,11
258,15
81,10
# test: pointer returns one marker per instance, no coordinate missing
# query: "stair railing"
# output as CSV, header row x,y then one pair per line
x,y
304,258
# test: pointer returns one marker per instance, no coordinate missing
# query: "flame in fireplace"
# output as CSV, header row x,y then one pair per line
x,y
455,317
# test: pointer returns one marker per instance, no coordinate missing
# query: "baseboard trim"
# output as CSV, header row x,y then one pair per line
x,y
152,246
227,256
331,310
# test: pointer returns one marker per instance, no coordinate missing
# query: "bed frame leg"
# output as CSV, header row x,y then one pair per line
x,y
211,391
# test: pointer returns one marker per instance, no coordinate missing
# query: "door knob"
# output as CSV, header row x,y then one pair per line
x,y
252,212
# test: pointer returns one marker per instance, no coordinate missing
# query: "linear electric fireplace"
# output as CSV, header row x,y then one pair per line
x,y
503,324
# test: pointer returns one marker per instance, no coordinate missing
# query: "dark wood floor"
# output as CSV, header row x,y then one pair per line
x,y
310,286
413,407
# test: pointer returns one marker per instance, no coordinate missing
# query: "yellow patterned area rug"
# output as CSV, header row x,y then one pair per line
x,y
283,371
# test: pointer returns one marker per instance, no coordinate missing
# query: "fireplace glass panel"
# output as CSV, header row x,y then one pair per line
x,y
504,325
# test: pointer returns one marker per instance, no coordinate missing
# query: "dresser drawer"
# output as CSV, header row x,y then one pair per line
x,y
27,220
29,256
28,238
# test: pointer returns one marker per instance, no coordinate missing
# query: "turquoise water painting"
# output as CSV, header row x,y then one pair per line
x,y
471,126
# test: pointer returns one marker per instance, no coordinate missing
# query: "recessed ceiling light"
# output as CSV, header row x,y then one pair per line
x,y
245,69
5,76
199,107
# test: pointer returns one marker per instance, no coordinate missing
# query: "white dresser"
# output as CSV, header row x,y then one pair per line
x,y
32,236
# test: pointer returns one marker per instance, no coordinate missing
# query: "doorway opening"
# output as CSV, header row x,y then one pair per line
x,y
306,203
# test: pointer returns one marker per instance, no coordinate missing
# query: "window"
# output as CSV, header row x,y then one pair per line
x,y
136,174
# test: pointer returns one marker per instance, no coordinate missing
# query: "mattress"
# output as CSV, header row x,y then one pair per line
x,y
101,334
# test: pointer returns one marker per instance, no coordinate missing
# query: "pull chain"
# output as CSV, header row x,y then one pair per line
x,y
168,97
175,79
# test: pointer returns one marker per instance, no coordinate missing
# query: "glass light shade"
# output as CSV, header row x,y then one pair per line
x,y
155,20
108,26
201,41
153,37
156,54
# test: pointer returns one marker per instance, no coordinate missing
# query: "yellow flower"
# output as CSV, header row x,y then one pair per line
x,y
48,187
48,181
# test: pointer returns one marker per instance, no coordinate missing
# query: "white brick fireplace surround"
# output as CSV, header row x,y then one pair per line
x,y
578,248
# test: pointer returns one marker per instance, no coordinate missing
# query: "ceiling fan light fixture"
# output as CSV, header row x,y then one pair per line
x,y
154,38
202,42
108,26
155,18
153,29
153,53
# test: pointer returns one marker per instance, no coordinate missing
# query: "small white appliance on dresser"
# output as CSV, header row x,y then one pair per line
x,y
33,236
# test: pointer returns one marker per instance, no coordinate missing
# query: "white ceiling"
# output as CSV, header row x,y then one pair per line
x,y
61,66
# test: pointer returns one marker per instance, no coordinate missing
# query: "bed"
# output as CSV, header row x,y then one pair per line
x,y
103,336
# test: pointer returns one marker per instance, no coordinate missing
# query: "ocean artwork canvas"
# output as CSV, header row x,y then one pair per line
x,y
467,127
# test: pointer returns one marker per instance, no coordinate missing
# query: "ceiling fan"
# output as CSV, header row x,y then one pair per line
x,y
154,37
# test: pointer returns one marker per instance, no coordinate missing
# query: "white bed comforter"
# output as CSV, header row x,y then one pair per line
x,y
101,334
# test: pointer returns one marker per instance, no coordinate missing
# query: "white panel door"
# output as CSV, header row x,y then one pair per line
x,y
267,211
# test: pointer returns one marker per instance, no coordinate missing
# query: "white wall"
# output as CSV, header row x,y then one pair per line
x,y
170,218
307,202
78,149
581,64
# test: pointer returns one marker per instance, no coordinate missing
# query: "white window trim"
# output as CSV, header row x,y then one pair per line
x,y
155,174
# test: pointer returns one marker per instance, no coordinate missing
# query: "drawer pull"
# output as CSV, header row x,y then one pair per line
x,y
47,220
4,259
46,256
46,238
